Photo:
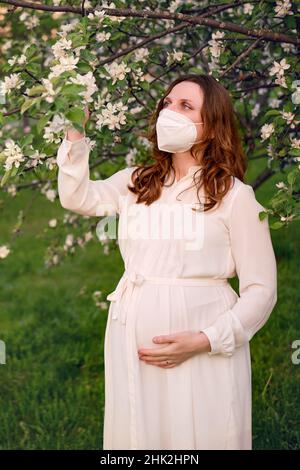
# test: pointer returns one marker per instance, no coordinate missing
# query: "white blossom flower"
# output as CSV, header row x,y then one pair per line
x,y
68,27
50,194
248,8
109,118
144,141
102,37
30,20
7,46
141,54
274,103
60,47
281,185
287,218
13,154
138,75
66,64
17,60
174,5
89,81
4,251
283,8
131,157
69,240
97,293
278,68
113,18
103,305
255,110
136,109
175,56
57,125
281,81
117,71
11,82
55,259
270,152
99,15
35,159
49,94
216,46
88,236
52,223
295,142
296,95
266,131
288,116
12,190
287,47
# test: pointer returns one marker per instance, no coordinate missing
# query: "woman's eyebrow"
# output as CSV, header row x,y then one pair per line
x,y
181,99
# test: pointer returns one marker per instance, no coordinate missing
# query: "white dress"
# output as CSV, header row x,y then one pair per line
x,y
171,284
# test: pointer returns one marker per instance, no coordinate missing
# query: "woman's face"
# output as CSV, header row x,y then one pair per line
x,y
186,98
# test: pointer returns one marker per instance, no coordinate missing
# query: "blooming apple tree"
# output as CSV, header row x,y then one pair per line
x,y
117,59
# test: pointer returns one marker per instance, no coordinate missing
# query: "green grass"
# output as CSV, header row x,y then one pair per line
x,y
52,385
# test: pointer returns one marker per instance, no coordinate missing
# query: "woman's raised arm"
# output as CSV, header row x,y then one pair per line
x,y
77,192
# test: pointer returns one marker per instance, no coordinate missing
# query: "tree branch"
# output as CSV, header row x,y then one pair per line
x,y
145,14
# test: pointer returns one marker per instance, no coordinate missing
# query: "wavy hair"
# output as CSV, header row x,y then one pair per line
x,y
220,147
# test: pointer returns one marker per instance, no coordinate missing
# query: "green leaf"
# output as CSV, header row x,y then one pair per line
x,y
291,177
276,225
26,140
14,171
33,68
87,55
262,215
36,90
42,123
76,115
72,89
5,177
31,50
272,112
145,85
27,104
84,67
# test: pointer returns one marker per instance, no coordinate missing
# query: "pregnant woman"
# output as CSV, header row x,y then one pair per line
x,y
177,353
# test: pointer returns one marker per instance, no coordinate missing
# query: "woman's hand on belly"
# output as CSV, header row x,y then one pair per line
x,y
177,348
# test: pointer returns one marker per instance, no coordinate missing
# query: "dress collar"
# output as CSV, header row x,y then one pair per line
x,y
191,171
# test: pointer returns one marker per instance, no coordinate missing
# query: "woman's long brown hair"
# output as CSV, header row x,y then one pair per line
x,y
222,156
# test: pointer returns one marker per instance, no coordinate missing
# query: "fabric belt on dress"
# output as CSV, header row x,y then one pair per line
x,y
131,279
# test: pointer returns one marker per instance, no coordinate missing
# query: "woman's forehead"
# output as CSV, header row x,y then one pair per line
x,y
187,90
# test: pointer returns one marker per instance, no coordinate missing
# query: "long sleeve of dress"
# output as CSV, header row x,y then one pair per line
x,y
255,263
77,192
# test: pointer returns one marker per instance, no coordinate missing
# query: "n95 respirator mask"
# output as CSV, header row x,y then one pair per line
x,y
175,132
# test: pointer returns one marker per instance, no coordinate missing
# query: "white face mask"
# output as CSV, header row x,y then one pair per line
x,y
175,132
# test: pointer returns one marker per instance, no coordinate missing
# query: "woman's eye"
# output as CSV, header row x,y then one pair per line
x,y
185,105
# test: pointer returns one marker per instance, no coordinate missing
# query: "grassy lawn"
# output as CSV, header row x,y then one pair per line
x,y
52,385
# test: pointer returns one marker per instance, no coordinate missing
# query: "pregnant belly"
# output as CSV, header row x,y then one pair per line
x,y
166,309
